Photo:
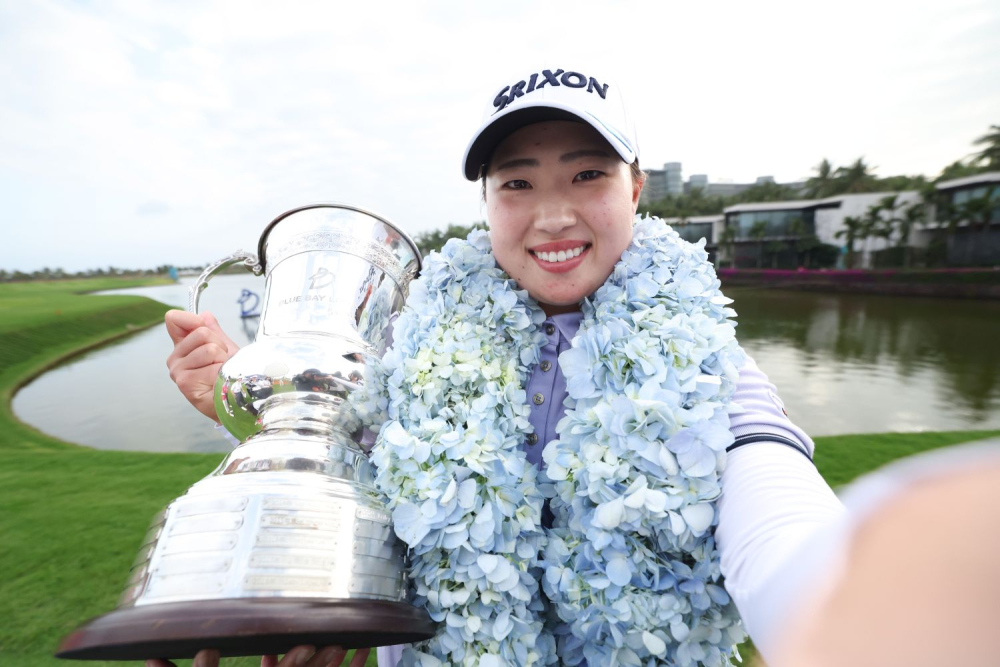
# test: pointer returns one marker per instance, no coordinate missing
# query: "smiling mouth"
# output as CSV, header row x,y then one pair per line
x,y
561,255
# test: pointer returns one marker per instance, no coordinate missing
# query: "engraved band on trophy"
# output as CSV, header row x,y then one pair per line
x,y
286,542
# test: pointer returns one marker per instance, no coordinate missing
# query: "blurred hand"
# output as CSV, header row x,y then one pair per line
x,y
300,656
200,348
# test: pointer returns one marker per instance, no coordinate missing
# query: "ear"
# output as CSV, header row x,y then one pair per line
x,y
636,191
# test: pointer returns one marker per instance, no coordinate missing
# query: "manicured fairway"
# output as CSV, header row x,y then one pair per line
x,y
71,517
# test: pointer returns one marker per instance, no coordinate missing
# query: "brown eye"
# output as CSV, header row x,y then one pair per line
x,y
588,175
516,184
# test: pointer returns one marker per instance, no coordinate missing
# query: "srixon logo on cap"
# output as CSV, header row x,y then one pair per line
x,y
548,78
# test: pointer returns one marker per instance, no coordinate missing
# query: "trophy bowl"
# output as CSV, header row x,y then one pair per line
x,y
287,542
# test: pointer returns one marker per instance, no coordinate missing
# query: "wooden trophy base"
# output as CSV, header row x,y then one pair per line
x,y
255,626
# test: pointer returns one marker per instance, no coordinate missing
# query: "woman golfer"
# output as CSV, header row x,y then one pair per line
x,y
586,467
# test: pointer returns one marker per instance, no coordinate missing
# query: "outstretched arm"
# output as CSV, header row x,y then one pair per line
x,y
773,501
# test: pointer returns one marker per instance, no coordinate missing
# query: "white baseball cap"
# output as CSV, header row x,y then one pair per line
x,y
552,94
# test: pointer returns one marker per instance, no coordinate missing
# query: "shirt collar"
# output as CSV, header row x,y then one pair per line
x,y
567,324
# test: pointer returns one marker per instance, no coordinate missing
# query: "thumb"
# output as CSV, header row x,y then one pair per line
x,y
212,323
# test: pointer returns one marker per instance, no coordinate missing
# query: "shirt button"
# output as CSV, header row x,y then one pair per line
x,y
550,329
538,399
533,439
546,365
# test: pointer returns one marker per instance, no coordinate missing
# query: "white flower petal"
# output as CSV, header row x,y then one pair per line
x,y
654,644
698,517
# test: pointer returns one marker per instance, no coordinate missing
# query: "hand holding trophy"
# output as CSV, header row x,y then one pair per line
x,y
286,543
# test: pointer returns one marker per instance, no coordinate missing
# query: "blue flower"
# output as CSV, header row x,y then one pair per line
x,y
630,564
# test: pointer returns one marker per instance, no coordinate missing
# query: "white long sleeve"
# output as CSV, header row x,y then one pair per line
x,y
773,501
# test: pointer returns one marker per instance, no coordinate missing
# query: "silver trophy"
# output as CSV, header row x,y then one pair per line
x,y
286,542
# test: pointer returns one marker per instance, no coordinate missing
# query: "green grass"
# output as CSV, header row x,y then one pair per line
x,y
71,518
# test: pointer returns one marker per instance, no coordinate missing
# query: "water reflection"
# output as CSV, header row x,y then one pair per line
x,y
842,364
942,350
129,401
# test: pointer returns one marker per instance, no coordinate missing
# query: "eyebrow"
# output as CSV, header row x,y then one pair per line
x,y
519,162
568,157
591,152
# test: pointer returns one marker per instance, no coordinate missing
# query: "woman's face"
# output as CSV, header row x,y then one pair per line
x,y
560,203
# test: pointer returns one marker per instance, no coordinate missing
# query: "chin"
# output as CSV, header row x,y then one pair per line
x,y
553,304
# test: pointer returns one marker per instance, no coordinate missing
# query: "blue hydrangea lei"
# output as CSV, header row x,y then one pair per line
x,y
629,569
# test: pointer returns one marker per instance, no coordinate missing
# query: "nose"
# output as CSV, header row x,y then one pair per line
x,y
554,215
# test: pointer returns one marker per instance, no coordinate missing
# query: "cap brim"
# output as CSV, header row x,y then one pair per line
x,y
493,131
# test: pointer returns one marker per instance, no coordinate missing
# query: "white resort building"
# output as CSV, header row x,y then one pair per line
x,y
773,224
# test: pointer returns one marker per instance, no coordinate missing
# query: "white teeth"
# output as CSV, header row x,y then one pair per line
x,y
560,256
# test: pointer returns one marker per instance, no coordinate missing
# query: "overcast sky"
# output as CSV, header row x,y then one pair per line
x,y
138,133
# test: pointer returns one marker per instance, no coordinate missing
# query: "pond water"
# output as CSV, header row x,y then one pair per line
x,y
123,397
842,364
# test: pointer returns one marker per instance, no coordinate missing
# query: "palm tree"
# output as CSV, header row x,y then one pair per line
x,y
757,232
805,241
822,184
727,239
880,219
858,177
989,157
914,214
854,229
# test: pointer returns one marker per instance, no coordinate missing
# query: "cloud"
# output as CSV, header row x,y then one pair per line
x,y
152,208
229,113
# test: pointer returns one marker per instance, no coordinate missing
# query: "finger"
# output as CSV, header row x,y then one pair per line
x,y
214,325
268,661
180,323
200,337
206,658
159,662
360,657
207,356
297,657
331,655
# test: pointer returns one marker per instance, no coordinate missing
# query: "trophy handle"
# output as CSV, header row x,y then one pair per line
x,y
249,261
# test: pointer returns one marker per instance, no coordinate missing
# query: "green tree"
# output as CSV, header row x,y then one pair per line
x,y
900,183
857,178
957,169
686,205
880,219
805,241
989,157
727,239
435,240
766,191
823,183
913,214
757,232
854,230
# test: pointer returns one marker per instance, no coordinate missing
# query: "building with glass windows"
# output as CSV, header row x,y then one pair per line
x,y
699,227
970,206
771,224
961,226
960,191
